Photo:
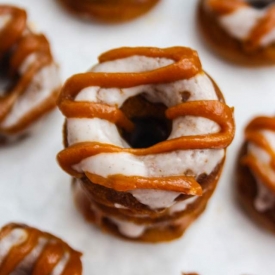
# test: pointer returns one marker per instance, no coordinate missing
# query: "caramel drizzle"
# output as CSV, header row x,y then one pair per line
x,y
186,65
52,253
253,135
18,41
265,25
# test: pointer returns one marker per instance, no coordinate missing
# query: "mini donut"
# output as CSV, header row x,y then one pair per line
x,y
256,172
30,80
26,250
145,135
109,11
242,31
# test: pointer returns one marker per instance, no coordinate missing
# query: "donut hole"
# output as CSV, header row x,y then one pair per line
x,y
260,4
151,125
7,82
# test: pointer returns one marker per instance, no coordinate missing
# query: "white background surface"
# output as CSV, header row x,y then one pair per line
x,y
34,190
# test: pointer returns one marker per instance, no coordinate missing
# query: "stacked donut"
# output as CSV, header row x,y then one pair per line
x,y
144,182
31,78
257,173
26,250
240,30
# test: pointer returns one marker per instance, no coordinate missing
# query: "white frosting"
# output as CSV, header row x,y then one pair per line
x,y
129,229
132,64
265,198
175,163
4,20
240,23
43,84
155,198
59,268
182,205
26,266
269,38
119,206
16,237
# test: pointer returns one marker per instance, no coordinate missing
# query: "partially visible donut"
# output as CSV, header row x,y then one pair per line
x,y
109,11
256,171
30,80
26,250
145,135
242,31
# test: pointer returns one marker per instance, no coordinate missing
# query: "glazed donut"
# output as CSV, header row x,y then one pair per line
x,y
145,136
109,11
242,31
31,81
26,250
256,172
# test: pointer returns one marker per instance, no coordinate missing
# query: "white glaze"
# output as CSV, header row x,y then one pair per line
x,y
241,22
26,266
182,205
265,198
129,229
155,198
59,268
132,64
15,237
4,20
43,84
179,162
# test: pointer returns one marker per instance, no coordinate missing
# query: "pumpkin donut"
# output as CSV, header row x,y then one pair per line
x,y
145,135
256,171
109,11
242,31
29,75
26,250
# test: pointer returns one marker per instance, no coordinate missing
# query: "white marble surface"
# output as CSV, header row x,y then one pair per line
x,y
34,190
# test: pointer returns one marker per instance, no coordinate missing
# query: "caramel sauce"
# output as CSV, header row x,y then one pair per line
x,y
47,260
263,26
226,6
19,42
186,65
253,135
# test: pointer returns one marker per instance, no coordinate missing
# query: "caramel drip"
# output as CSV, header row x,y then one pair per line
x,y
50,256
265,25
186,65
262,28
19,42
253,135
225,7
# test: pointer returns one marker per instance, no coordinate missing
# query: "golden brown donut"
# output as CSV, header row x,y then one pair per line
x,y
256,173
145,136
109,11
30,75
26,250
241,31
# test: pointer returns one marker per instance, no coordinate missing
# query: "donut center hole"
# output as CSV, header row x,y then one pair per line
x,y
151,125
260,4
7,83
